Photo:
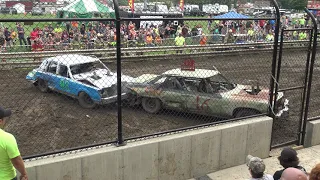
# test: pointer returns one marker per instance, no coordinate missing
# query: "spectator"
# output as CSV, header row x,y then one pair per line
x,y
68,25
58,30
13,36
257,167
293,174
270,37
50,29
33,35
21,37
203,40
288,158
74,24
49,43
10,158
180,41
2,40
45,31
149,40
302,35
7,37
315,173
37,46
83,29
158,40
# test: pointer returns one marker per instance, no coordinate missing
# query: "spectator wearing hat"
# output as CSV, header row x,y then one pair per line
x,y
315,173
10,158
287,159
293,174
257,167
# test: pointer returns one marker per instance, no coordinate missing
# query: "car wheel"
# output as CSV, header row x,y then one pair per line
x,y
85,101
246,112
151,105
43,85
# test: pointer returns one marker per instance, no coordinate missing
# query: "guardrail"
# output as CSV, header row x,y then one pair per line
x,y
23,59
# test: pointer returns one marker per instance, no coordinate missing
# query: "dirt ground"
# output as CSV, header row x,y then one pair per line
x,y
45,122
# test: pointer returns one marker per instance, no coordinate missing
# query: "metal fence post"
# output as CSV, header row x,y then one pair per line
x,y
313,57
120,140
274,60
274,64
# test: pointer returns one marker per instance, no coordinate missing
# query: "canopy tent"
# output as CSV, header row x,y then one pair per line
x,y
85,9
231,15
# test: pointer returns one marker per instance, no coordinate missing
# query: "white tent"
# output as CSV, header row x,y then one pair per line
x,y
20,7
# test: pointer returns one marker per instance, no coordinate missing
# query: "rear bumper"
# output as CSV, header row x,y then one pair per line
x,y
284,112
112,99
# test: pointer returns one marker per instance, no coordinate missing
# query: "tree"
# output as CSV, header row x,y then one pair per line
x,y
293,4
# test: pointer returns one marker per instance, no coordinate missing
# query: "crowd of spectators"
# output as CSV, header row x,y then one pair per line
x,y
76,35
289,160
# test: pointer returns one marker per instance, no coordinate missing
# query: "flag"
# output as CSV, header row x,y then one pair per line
x,y
131,5
181,5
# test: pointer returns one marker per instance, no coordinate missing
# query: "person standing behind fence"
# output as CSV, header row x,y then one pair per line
x,y
203,40
302,35
180,41
10,157
149,40
21,37
7,36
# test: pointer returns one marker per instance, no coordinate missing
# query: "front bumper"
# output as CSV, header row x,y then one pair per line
x,y
284,111
113,99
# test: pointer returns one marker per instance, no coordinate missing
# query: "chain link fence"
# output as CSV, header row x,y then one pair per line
x,y
60,73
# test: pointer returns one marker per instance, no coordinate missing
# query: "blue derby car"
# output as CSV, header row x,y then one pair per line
x,y
83,77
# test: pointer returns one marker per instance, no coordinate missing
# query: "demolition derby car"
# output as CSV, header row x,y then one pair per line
x,y
83,77
205,92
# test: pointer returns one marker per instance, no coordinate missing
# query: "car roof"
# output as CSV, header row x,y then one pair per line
x,y
73,59
197,73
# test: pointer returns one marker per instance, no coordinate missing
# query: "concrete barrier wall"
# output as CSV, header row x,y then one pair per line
x,y
173,157
312,137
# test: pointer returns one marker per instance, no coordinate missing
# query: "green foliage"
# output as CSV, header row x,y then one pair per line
x,y
293,4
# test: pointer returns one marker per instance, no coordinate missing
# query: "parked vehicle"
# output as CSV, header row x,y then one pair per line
x,y
203,91
82,77
36,11
5,10
197,12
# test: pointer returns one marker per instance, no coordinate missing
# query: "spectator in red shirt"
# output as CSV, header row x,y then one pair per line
x,y
37,46
34,35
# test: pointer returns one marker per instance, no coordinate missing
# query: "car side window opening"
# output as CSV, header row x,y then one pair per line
x,y
63,71
44,65
172,83
52,68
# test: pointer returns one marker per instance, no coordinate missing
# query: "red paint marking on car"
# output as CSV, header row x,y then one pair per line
x,y
204,104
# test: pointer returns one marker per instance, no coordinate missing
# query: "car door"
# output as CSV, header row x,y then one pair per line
x,y
203,99
172,93
49,74
63,82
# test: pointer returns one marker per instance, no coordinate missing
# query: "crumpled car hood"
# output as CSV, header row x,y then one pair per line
x,y
242,91
102,78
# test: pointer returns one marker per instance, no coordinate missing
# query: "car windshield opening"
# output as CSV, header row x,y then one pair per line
x,y
221,81
86,67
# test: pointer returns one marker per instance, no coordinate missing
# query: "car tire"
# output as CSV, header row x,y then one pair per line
x,y
151,105
43,85
85,101
245,113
